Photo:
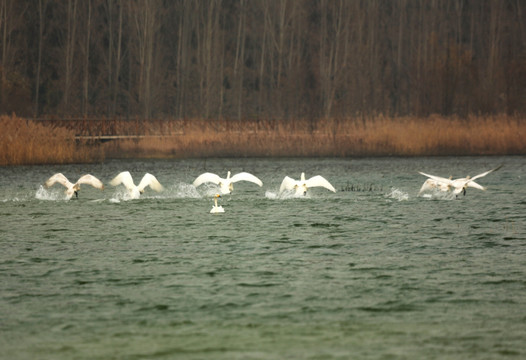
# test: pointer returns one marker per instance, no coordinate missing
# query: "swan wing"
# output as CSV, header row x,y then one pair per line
x,y
485,173
58,178
475,185
207,177
151,181
319,180
91,180
287,184
244,176
125,179
437,178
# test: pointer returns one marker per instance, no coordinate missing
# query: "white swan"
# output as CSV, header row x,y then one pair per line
x,y
433,185
226,185
302,185
135,191
74,188
457,186
217,209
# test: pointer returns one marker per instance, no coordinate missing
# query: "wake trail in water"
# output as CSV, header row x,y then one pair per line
x,y
275,195
176,191
439,195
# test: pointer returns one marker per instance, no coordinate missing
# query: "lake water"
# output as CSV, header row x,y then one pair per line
x,y
369,272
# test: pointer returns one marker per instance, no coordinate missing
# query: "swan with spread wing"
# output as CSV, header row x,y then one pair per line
x,y
456,186
226,184
74,188
135,191
301,186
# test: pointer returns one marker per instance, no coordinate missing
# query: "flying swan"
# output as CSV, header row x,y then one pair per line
x,y
74,188
135,191
226,185
300,187
217,209
457,186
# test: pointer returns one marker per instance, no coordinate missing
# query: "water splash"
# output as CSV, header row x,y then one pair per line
x,y
50,194
176,191
397,194
119,195
183,191
271,195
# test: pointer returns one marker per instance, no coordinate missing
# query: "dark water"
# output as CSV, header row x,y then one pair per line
x,y
369,272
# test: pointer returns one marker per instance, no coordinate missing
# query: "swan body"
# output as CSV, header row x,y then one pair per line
x,y
301,186
74,188
434,185
455,186
217,209
135,191
226,185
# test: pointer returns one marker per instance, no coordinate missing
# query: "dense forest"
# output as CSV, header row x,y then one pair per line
x,y
250,59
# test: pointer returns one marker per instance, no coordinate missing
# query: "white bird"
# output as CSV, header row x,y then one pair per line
x,y
217,209
74,188
301,186
457,186
226,185
433,185
135,191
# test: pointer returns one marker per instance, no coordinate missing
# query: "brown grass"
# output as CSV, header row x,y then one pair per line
x,y
372,136
26,142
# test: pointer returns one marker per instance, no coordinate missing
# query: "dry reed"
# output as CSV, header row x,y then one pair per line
x,y
371,136
26,142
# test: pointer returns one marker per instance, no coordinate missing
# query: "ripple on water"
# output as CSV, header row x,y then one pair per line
x,y
363,274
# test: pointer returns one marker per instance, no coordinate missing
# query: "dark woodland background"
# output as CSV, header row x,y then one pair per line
x,y
250,59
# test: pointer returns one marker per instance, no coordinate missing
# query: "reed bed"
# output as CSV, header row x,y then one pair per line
x,y
369,136
27,142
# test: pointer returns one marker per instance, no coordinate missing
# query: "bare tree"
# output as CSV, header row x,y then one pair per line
x,y
85,100
145,25
69,50
240,57
11,20
42,5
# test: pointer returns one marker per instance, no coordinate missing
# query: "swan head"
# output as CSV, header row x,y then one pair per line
x,y
217,196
